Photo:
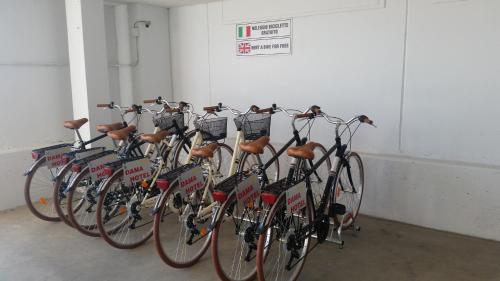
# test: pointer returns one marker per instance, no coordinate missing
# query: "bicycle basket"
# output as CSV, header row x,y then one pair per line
x,y
212,129
254,126
166,122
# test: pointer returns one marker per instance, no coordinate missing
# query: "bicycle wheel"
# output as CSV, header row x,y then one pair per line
x,y
38,191
61,190
250,163
237,227
282,251
181,150
320,175
181,236
221,162
124,213
82,203
350,193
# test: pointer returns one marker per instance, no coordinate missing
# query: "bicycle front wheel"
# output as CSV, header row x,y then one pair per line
x,y
349,189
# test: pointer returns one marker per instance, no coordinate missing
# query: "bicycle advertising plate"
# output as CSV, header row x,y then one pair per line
x,y
137,171
88,152
296,198
96,167
54,157
191,181
248,191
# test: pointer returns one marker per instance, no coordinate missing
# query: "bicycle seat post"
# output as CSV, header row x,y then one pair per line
x,y
80,138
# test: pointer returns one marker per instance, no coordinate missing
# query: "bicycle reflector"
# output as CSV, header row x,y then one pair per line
x,y
219,196
108,171
162,184
76,168
269,198
35,155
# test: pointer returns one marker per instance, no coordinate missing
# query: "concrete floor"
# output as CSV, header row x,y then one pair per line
x,y
34,250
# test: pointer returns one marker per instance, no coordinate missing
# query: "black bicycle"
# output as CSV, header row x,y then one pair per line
x,y
296,214
236,223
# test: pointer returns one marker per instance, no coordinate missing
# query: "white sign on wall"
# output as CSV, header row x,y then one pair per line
x,y
264,38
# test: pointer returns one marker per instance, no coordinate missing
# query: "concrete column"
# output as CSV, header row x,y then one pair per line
x,y
124,54
88,62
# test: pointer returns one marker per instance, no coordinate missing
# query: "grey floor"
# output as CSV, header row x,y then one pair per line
x,y
34,250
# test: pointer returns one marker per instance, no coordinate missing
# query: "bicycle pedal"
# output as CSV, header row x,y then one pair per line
x,y
336,209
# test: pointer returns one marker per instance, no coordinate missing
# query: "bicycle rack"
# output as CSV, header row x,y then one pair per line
x,y
335,235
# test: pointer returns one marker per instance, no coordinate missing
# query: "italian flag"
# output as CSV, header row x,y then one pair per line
x,y
244,31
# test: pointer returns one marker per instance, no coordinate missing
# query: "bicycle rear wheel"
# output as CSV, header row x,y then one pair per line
x,y
61,190
124,215
350,193
81,204
282,251
234,238
38,191
181,236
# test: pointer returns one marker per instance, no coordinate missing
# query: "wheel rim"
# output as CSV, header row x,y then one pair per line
x,y
345,194
39,189
273,264
61,192
235,241
172,229
123,220
82,204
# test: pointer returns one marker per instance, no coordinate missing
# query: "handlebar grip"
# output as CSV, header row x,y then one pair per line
x,y
129,110
172,110
304,115
211,108
265,110
315,109
365,119
103,105
150,101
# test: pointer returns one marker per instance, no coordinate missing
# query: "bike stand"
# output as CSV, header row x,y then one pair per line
x,y
335,235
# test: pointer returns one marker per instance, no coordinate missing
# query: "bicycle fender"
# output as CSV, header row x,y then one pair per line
x,y
30,169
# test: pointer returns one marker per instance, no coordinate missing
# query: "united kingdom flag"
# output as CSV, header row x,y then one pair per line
x,y
244,48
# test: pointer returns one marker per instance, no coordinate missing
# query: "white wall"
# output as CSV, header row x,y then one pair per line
x,y
34,87
424,70
111,45
151,77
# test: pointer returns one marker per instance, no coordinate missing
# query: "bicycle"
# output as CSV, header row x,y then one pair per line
x,y
123,211
88,173
295,216
241,212
191,211
50,163
67,173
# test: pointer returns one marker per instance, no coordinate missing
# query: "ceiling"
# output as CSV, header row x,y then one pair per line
x,y
164,3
